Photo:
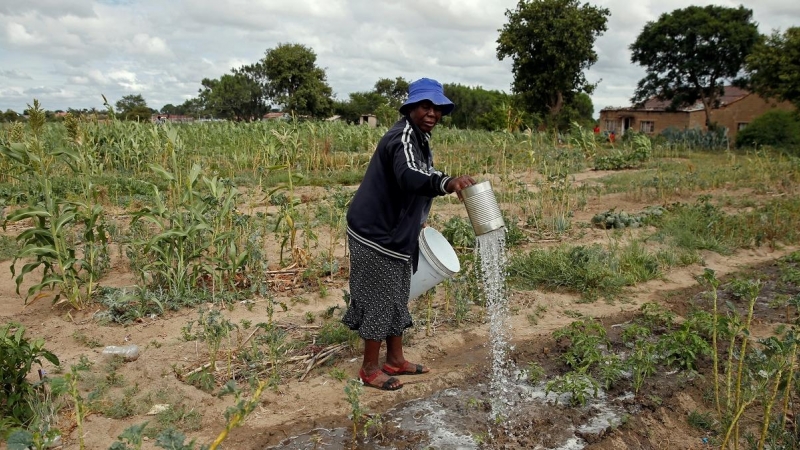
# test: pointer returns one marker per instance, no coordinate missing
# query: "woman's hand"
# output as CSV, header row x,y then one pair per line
x,y
459,183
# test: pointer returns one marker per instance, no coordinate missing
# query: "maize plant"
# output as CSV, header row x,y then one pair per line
x,y
48,242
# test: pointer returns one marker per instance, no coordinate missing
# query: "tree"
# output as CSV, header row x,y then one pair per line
x,y
170,109
550,43
192,107
133,107
292,79
9,116
360,103
234,96
580,110
476,107
394,91
774,66
691,53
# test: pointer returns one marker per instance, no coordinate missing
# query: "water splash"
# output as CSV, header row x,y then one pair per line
x,y
491,252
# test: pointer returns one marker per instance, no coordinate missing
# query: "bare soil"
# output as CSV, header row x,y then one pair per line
x,y
458,355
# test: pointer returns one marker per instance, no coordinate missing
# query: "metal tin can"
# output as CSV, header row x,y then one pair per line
x,y
482,208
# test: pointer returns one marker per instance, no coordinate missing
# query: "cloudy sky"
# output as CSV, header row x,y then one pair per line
x,y
66,53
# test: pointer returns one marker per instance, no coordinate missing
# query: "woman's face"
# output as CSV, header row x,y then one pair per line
x,y
426,115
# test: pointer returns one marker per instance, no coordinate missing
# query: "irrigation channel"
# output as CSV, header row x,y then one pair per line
x,y
503,409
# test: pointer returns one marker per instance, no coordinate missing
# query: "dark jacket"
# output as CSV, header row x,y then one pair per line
x,y
390,206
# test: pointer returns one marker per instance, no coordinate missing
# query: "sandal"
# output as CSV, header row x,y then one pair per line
x,y
370,380
407,369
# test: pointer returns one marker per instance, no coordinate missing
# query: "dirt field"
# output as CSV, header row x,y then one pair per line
x,y
458,356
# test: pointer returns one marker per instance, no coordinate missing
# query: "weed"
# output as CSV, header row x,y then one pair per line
x,y
701,421
84,363
8,247
352,391
85,340
338,374
535,372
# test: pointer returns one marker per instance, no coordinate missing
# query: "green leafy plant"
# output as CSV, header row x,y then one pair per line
x,y
18,354
48,242
610,370
352,391
587,338
535,372
642,363
683,347
580,386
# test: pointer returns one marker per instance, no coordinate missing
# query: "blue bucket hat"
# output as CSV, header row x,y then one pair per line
x,y
427,89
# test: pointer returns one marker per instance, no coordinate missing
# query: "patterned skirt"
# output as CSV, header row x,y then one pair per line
x,y
379,288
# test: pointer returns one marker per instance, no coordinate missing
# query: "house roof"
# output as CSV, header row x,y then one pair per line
x,y
732,94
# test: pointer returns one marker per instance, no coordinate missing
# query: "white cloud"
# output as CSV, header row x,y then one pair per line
x,y
14,74
147,45
18,34
162,50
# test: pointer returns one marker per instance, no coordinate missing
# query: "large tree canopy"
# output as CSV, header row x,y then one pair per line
x,y
550,43
133,107
477,107
383,101
394,91
774,66
690,54
292,79
234,96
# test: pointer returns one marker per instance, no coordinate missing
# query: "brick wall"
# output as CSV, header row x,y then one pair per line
x,y
743,111
661,120
730,116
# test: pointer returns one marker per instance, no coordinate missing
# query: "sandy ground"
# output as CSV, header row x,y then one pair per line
x,y
453,353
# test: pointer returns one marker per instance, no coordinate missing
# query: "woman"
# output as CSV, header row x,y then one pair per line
x,y
383,225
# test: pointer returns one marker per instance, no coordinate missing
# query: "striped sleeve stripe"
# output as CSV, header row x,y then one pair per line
x,y
443,184
374,246
408,149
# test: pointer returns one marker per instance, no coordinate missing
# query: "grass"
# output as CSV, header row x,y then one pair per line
x,y
8,247
593,271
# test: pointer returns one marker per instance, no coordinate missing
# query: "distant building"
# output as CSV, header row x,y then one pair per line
x,y
173,118
368,119
274,116
737,108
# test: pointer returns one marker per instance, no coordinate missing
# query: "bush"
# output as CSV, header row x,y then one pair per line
x,y
775,128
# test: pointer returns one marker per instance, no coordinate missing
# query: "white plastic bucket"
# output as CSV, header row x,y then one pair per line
x,y
437,262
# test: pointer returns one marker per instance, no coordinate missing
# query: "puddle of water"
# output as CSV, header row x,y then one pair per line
x,y
456,419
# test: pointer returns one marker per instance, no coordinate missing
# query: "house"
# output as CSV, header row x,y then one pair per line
x,y
173,118
368,119
737,107
275,116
